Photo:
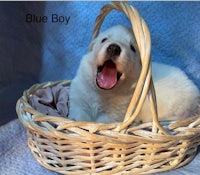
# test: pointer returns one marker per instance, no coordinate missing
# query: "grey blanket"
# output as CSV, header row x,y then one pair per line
x,y
16,157
51,101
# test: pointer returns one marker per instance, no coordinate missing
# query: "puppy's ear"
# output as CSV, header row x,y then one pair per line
x,y
92,44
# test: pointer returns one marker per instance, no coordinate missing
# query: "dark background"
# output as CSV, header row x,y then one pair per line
x,y
20,50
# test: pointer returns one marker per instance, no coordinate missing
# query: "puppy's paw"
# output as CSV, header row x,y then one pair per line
x,y
79,115
197,112
103,119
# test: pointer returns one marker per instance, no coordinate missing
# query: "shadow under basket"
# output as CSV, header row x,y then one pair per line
x,y
75,148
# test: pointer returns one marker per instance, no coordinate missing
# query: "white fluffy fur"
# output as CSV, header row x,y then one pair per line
x,y
177,96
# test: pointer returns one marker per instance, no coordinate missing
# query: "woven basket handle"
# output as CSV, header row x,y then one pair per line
x,y
145,85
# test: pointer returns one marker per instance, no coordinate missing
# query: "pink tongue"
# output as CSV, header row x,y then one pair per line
x,y
107,78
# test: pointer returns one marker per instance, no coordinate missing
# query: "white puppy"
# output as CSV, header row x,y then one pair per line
x,y
108,74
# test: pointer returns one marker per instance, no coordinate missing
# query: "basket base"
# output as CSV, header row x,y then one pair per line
x,y
114,161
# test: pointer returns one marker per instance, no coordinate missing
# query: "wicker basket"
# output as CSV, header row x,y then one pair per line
x,y
70,147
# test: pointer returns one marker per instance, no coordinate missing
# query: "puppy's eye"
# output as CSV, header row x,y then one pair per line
x,y
103,40
133,48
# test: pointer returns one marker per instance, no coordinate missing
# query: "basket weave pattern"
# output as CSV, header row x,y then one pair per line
x,y
75,148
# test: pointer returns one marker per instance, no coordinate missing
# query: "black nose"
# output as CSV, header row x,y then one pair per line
x,y
113,50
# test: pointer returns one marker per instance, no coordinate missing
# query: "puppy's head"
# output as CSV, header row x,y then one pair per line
x,y
116,58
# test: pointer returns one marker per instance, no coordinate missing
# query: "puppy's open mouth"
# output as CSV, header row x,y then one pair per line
x,y
107,75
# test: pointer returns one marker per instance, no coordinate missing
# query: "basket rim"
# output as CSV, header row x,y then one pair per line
x,y
23,105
